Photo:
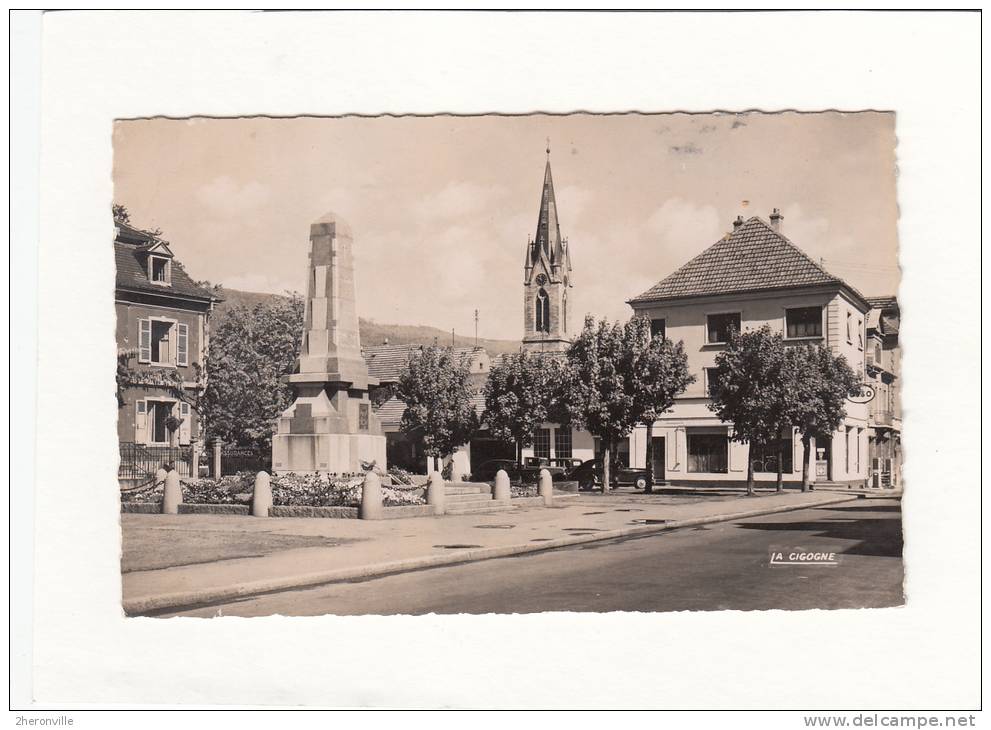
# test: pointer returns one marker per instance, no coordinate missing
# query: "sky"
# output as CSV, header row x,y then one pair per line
x,y
441,207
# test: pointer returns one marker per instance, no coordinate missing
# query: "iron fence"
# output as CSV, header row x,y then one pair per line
x,y
234,459
139,462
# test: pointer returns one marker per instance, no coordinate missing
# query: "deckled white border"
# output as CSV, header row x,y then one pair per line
x,y
98,66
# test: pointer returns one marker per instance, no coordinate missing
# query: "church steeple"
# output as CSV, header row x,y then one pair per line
x,y
547,275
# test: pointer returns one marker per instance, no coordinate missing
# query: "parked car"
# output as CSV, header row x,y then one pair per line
x,y
588,474
486,471
528,472
558,468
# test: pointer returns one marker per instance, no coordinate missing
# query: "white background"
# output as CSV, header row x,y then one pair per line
x,y
99,66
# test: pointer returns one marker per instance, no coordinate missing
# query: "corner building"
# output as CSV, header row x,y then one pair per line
x,y
751,277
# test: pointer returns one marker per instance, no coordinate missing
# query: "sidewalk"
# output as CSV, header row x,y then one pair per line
x,y
186,560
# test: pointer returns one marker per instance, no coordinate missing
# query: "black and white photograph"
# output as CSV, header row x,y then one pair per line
x,y
495,359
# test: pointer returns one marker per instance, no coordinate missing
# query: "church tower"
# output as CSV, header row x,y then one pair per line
x,y
547,278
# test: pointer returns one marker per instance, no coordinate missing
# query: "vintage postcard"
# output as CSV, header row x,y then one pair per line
x,y
497,359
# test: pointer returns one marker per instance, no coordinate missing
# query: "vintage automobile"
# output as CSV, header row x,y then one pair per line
x,y
486,471
588,474
558,468
528,472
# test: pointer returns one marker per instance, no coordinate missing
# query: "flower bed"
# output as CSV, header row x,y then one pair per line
x,y
523,490
296,490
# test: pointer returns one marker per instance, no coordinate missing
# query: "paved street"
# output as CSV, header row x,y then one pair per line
x,y
718,566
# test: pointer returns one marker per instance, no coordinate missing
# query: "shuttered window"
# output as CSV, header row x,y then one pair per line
x,y
144,340
182,345
140,422
185,423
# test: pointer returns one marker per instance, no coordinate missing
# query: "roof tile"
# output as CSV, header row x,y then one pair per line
x,y
752,258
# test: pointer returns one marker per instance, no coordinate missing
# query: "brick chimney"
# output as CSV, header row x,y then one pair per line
x,y
776,219
738,222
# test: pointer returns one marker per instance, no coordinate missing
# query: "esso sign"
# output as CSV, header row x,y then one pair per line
x,y
866,395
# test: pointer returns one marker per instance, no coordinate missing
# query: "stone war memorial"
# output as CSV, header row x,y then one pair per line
x,y
330,427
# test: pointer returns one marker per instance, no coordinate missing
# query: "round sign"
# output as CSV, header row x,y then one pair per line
x,y
866,395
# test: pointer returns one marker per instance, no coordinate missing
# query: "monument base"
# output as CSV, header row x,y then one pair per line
x,y
338,453
327,429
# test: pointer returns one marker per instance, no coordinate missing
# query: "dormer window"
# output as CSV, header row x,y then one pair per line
x,y
159,270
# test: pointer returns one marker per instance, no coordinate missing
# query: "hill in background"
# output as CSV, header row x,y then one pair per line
x,y
376,333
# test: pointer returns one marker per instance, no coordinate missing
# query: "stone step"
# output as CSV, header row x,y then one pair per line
x,y
473,497
466,490
471,503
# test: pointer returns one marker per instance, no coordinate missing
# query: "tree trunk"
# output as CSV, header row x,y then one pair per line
x,y
605,467
780,485
650,457
750,471
807,453
519,453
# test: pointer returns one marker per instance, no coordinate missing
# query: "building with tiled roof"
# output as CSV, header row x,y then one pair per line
x,y
163,330
387,362
752,276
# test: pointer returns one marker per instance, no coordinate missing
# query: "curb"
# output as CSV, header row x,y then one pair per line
x,y
205,597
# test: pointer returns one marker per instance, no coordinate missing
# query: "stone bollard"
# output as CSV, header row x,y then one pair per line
x,y
501,490
261,496
435,492
546,488
217,468
194,467
172,497
160,476
371,497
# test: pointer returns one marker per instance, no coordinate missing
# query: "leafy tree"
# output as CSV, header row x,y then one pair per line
x,y
617,377
251,349
657,374
519,395
438,393
821,384
121,213
753,389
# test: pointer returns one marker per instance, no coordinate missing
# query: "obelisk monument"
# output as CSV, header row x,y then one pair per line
x,y
330,427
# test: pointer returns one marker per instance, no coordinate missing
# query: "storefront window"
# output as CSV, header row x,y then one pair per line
x,y
708,453
765,457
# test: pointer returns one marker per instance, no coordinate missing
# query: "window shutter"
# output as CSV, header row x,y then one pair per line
x,y
182,347
140,422
144,340
185,424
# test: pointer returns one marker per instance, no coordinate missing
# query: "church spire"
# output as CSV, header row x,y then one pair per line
x,y
546,277
548,238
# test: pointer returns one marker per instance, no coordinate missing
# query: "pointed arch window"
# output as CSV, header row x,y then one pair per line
x,y
543,312
564,312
